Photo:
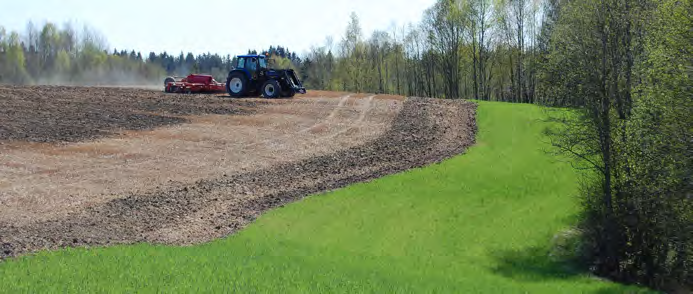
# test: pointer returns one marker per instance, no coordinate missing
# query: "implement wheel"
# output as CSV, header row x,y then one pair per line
x,y
166,82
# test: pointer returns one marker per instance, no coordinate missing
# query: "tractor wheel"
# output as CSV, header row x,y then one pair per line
x,y
237,85
271,89
288,93
166,81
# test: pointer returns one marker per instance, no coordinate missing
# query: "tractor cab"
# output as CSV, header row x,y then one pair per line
x,y
252,76
251,63
254,65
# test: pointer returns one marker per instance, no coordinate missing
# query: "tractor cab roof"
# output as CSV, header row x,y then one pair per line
x,y
251,56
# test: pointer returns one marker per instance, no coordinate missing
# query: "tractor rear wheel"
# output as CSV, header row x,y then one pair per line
x,y
271,89
237,85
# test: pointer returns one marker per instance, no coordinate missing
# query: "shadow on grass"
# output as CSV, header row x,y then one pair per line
x,y
624,290
533,264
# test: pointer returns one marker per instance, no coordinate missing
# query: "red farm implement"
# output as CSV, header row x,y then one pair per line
x,y
193,84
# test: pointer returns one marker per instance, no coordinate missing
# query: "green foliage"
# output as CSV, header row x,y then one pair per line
x,y
62,62
318,69
282,62
625,67
13,70
478,223
461,49
54,55
662,128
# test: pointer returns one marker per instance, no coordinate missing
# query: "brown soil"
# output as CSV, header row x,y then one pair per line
x,y
71,114
42,181
301,146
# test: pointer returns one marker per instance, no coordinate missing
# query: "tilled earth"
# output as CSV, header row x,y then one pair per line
x,y
424,131
72,114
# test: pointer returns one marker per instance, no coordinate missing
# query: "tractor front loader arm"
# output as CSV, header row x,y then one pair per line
x,y
294,82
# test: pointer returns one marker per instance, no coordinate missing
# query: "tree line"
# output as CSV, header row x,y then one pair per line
x,y
65,55
53,54
480,49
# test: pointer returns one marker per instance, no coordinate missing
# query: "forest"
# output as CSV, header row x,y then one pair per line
x,y
622,68
65,55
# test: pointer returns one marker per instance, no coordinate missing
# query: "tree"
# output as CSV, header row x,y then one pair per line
x,y
352,50
481,24
62,63
47,47
632,127
446,29
661,166
552,12
15,71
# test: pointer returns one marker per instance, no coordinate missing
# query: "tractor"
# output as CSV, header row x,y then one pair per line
x,y
251,77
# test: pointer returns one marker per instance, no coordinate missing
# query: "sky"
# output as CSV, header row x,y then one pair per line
x,y
216,26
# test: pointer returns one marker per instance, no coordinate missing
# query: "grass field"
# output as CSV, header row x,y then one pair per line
x,y
478,223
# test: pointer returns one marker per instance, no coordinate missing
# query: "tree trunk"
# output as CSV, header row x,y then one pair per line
x,y
474,69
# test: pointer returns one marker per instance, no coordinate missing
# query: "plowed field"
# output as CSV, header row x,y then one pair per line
x,y
99,166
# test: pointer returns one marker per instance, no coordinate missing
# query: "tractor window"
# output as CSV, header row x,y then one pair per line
x,y
253,64
263,63
241,63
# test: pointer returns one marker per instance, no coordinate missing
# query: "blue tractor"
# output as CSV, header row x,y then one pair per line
x,y
252,77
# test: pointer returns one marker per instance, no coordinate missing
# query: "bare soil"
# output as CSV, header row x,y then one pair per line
x,y
207,175
72,114
42,181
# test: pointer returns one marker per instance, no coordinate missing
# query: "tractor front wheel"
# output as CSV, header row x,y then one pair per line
x,y
237,85
271,89
288,93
